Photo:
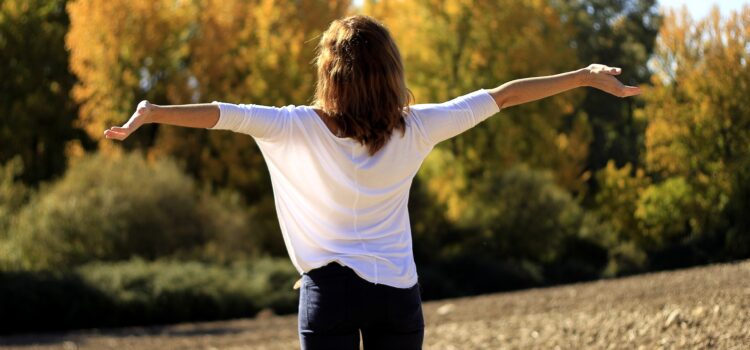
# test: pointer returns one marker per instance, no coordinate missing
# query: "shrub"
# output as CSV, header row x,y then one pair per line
x,y
737,242
664,210
112,208
230,229
512,229
13,193
139,292
520,214
13,196
109,208
467,274
34,301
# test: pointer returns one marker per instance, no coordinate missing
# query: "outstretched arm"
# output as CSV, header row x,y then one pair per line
x,y
597,76
204,115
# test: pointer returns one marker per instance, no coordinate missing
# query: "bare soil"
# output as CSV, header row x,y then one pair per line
x,y
700,308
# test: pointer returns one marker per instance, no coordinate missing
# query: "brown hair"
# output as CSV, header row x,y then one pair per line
x,y
361,84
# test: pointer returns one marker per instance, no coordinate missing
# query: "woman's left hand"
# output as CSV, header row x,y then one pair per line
x,y
603,78
138,118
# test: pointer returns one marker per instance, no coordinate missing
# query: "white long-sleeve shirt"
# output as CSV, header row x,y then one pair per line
x,y
334,201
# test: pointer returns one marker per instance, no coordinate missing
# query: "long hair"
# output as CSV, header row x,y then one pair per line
x,y
361,84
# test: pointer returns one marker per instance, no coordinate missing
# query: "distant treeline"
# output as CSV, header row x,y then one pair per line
x,y
180,224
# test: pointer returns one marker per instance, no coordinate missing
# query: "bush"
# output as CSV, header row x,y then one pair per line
x,y
513,229
737,241
234,229
579,259
38,301
664,211
13,193
138,292
471,275
117,207
520,214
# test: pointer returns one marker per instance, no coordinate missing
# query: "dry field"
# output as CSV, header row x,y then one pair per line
x,y
700,308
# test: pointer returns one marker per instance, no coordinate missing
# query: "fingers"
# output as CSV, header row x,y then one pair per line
x,y
136,120
623,90
631,91
116,133
604,69
609,84
120,129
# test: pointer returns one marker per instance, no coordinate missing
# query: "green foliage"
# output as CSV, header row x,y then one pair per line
x,y
698,139
619,229
620,33
36,301
452,48
514,229
116,207
520,213
625,258
617,199
137,292
169,291
698,112
663,209
13,193
236,230
469,274
737,242
36,110
13,196
670,183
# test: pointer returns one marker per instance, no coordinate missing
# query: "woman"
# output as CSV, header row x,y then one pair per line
x,y
341,171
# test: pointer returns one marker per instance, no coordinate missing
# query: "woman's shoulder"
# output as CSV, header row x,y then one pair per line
x,y
291,112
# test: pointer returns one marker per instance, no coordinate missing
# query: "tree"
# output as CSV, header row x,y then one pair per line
x,y
241,51
620,33
13,194
246,52
38,114
174,52
699,116
617,200
453,47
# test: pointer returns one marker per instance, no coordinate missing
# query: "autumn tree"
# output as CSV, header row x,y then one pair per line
x,y
453,47
174,52
620,33
180,52
698,136
246,52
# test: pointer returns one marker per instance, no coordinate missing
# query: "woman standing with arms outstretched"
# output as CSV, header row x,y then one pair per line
x,y
341,170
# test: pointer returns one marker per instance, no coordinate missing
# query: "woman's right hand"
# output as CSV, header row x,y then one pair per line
x,y
140,117
603,78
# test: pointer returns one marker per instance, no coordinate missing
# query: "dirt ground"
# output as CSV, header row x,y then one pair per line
x,y
700,308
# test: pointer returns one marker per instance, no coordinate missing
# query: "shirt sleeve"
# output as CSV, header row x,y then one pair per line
x,y
260,122
442,121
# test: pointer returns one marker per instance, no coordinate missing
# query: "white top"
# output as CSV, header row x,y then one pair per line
x,y
334,201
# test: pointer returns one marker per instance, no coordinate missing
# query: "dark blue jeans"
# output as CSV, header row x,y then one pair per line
x,y
335,305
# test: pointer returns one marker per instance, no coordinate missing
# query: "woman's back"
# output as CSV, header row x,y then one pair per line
x,y
336,201
344,199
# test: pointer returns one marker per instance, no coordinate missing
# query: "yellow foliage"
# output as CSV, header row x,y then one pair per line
x,y
447,182
175,52
454,47
114,45
698,112
260,51
617,198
